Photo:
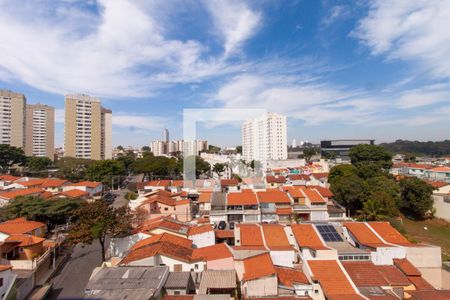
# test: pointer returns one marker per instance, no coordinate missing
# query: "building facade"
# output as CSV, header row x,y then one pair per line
x,y
88,128
40,128
12,118
265,138
341,148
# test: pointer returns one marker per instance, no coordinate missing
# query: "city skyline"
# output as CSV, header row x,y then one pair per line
x,y
331,68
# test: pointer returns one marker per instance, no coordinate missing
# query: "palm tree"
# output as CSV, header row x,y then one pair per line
x,y
372,210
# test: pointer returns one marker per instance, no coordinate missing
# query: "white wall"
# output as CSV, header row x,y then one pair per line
x,y
118,246
442,208
321,215
283,258
8,278
267,286
384,255
425,256
203,239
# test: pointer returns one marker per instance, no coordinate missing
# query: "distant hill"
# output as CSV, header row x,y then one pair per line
x,y
419,148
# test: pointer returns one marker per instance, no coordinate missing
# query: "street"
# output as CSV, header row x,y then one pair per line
x,y
70,281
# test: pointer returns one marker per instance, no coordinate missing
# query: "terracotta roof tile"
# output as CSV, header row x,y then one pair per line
x,y
24,240
275,179
194,230
299,177
313,195
406,267
246,197
420,283
323,191
224,234
205,197
89,184
388,233
364,235
427,295
9,178
320,175
288,276
250,235
162,248
294,192
20,226
307,237
165,237
275,237
258,266
53,182
229,182
393,275
364,273
273,196
75,193
214,252
331,277
22,192
284,211
32,182
5,267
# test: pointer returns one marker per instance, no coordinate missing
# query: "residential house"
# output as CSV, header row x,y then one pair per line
x,y
222,282
320,179
228,185
5,197
93,188
293,281
276,241
7,280
258,276
441,173
242,207
441,199
201,235
310,243
6,180
275,181
179,283
217,257
298,179
163,204
270,201
204,202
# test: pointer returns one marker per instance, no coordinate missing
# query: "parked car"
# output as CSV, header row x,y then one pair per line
x,y
222,225
231,225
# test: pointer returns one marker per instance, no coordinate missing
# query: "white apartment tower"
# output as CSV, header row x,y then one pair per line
x,y
40,128
12,118
88,128
265,138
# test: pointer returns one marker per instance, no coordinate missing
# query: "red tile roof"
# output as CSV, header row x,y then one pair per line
x,y
89,184
393,276
277,179
165,237
420,283
406,267
194,230
273,196
20,226
24,240
323,191
312,195
389,233
364,235
258,266
9,178
440,169
284,211
320,175
162,248
75,193
5,267
246,197
288,277
229,182
205,197
250,235
22,192
294,192
299,177
331,278
427,295
32,182
275,237
306,237
53,182
437,184
224,234
214,252
364,273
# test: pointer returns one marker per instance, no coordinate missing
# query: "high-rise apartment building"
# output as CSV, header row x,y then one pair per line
x,y
265,138
165,135
88,128
40,128
12,118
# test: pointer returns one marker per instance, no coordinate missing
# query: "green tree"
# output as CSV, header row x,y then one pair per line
x,y
239,149
371,154
131,196
351,192
386,185
145,148
219,168
213,149
97,221
120,148
156,166
202,167
10,156
37,164
308,153
103,170
379,206
71,168
52,212
340,171
416,200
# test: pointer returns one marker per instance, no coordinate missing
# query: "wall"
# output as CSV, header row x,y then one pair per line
x,y
221,264
8,279
203,239
267,286
425,256
283,258
384,255
319,215
119,246
442,208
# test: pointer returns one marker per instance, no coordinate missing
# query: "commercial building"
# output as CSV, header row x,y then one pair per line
x,y
165,147
88,128
40,128
265,138
341,148
12,118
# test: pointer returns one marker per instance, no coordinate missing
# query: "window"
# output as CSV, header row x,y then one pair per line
x,y
196,266
166,208
21,250
1,283
177,293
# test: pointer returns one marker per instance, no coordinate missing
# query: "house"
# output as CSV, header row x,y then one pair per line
x,y
126,282
23,226
73,194
54,185
22,247
228,185
320,179
441,173
441,199
204,202
298,179
156,185
309,204
310,243
218,282
92,187
281,252
5,197
275,181
242,207
162,204
6,180
258,276
217,257
293,282
179,283
270,201
202,235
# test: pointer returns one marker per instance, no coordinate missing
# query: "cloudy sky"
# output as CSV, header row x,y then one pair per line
x,y
337,69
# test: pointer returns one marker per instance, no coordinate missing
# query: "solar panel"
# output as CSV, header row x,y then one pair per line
x,y
328,233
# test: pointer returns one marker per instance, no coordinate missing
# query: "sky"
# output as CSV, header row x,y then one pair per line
x,y
336,69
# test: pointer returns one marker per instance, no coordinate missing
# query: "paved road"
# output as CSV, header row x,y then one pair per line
x,y
120,200
71,280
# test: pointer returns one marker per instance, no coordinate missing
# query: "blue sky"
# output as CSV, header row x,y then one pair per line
x,y
337,69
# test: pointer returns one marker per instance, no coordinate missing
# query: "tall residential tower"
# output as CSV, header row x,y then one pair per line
x,y
265,138
40,130
88,128
12,118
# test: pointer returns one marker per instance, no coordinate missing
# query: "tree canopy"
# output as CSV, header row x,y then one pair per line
x,y
37,164
370,154
10,156
103,170
156,166
72,168
97,221
430,148
416,197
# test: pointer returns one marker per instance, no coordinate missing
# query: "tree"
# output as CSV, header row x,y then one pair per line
x,y
131,196
120,148
387,186
364,154
379,206
416,200
10,156
339,171
213,149
52,212
219,168
155,166
239,149
145,149
351,192
72,168
37,164
104,170
308,153
97,221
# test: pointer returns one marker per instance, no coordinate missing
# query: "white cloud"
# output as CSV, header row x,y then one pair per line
x,y
143,122
336,13
234,21
424,96
120,50
59,115
415,30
